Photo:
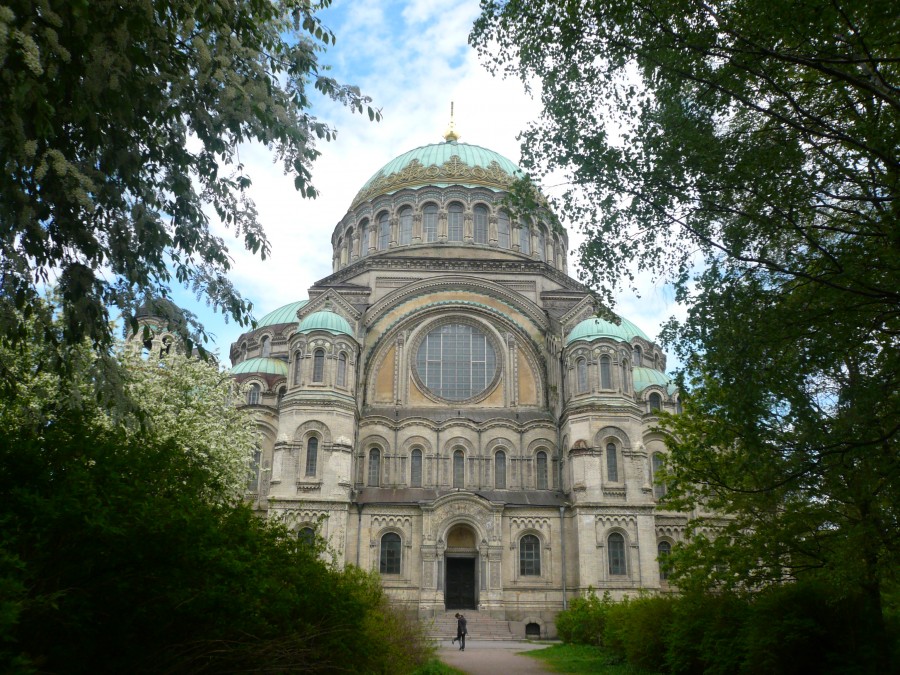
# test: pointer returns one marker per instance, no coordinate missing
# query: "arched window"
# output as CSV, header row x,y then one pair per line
x,y
581,375
542,243
364,238
481,225
253,481
663,549
352,245
384,231
374,467
605,373
655,401
265,346
616,548
430,222
342,252
319,365
297,363
541,470
243,350
525,238
280,394
390,554
530,556
312,455
415,468
455,222
405,225
500,470
459,469
612,463
503,229
253,394
342,370
625,371
678,407
638,356
657,464
307,536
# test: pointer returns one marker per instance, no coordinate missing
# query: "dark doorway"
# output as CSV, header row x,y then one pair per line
x,y
460,592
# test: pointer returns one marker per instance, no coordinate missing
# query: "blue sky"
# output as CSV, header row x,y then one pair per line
x,y
412,57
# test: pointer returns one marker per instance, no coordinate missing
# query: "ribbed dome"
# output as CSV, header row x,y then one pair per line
x,y
285,314
441,164
261,365
646,377
325,320
595,328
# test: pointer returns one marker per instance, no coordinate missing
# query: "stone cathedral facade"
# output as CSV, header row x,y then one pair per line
x,y
445,407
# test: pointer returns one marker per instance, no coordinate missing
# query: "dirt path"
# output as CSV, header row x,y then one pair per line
x,y
493,658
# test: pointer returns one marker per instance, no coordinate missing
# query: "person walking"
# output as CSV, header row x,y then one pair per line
x,y
461,632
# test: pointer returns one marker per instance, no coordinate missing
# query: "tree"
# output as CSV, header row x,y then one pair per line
x,y
749,153
120,126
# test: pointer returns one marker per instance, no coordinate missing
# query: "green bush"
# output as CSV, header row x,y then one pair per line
x,y
704,636
641,633
583,622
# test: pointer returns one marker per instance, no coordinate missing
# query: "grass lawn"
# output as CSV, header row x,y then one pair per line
x,y
581,659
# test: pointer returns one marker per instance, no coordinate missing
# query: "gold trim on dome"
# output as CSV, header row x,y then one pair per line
x,y
454,170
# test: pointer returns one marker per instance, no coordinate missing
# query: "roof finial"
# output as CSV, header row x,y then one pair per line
x,y
450,135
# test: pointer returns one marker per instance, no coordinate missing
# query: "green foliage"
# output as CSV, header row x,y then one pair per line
x,y
584,621
705,635
119,137
747,152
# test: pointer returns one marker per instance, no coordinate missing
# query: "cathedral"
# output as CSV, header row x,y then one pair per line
x,y
447,409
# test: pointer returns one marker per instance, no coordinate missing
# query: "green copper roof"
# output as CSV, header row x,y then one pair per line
x,y
325,320
261,365
286,314
435,165
592,329
646,377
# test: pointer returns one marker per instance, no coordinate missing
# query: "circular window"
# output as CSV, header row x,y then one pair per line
x,y
456,361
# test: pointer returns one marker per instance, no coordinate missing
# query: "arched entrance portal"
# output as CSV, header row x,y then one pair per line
x,y
461,563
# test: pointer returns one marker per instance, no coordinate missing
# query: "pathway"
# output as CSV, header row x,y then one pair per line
x,y
492,657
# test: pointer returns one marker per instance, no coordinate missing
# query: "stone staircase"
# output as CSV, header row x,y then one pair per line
x,y
480,626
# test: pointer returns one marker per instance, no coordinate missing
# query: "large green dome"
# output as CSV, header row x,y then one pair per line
x,y
325,320
284,314
595,328
440,165
647,377
262,365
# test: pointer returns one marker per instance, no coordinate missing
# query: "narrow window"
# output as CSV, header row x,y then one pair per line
x,y
605,373
430,222
342,370
364,238
659,487
530,556
243,350
655,401
525,238
541,470
319,365
455,222
384,231
281,391
406,218
415,468
581,369
390,554
342,252
253,482
297,363
542,243
459,469
307,537
503,229
663,549
312,455
612,463
253,394
500,470
374,467
265,348
638,356
616,547
481,225
625,370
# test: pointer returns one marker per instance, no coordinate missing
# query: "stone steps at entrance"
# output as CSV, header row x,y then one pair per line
x,y
480,627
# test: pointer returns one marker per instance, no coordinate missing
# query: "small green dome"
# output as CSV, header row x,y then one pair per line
x,y
325,320
286,314
646,377
261,365
595,328
435,165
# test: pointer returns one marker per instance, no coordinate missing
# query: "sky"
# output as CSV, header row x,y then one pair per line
x,y
412,58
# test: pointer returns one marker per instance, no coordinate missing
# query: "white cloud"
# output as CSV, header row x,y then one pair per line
x,y
413,59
